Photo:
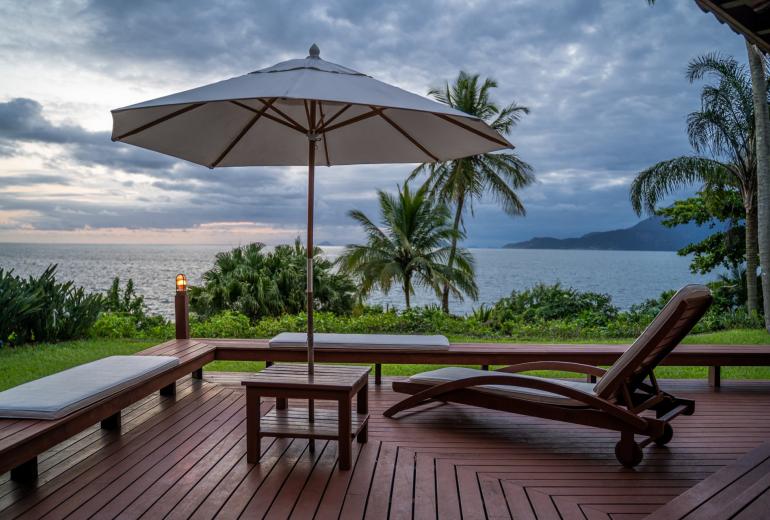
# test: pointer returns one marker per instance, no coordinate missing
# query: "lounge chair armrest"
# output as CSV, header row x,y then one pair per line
x,y
565,366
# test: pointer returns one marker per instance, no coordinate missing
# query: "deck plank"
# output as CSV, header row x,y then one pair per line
x,y
184,457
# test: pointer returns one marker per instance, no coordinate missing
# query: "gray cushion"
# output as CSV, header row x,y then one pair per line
x,y
361,341
447,374
57,395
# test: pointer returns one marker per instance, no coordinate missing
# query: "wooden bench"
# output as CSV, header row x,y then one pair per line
x,y
22,440
738,491
712,356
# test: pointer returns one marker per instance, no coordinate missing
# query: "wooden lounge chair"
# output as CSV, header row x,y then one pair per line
x,y
616,402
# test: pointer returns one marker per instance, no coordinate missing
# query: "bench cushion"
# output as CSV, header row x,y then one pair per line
x,y
361,341
57,395
447,374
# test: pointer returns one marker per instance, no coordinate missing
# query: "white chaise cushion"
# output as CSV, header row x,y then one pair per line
x,y
361,341
447,374
57,395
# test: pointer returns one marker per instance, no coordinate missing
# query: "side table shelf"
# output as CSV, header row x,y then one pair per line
x,y
340,384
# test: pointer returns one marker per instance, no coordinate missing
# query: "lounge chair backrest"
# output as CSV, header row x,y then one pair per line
x,y
669,327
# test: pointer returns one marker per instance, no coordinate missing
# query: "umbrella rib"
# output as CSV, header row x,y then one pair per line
x,y
405,133
268,116
289,119
158,121
326,123
473,130
350,121
243,132
326,147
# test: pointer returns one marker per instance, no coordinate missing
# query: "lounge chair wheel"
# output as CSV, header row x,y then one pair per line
x,y
628,453
668,434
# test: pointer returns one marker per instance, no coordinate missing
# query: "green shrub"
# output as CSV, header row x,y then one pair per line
x,y
226,324
18,303
250,281
41,309
554,302
115,325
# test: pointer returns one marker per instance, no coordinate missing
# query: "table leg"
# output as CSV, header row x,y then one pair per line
x,y
253,444
344,440
362,407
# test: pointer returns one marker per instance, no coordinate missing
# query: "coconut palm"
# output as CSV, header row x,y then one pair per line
x,y
412,248
762,122
460,182
722,134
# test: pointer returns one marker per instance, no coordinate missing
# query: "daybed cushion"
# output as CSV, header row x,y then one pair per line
x,y
444,375
361,341
57,395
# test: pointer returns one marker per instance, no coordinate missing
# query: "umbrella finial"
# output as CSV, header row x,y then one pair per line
x,y
315,52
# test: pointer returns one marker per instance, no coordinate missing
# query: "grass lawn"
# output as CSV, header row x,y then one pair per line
x,y
21,364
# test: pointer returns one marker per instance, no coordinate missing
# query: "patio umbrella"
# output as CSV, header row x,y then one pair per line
x,y
299,113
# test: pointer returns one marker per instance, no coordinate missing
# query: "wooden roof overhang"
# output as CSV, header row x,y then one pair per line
x,y
750,18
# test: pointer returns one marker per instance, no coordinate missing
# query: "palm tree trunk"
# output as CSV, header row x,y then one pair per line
x,y
762,145
453,250
407,291
751,259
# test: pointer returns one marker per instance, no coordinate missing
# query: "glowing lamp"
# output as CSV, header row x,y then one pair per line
x,y
181,283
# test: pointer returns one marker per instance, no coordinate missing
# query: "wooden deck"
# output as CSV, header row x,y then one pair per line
x,y
184,456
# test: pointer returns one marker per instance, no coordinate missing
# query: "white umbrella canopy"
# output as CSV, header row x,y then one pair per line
x,y
263,118
297,113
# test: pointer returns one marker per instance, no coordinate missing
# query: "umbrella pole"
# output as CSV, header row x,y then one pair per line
x,y
310,197
310,200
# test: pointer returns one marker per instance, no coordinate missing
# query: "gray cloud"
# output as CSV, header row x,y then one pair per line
x,y
605,81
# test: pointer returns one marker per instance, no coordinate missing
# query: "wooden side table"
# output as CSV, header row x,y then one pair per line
x,y
328,383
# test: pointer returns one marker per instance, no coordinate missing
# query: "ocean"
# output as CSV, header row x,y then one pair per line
x,y
629,277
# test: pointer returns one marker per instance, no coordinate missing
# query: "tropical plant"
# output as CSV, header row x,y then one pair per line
x,y
722,211
762,123
461,182
258,283
412,248
41,309
17,304
126,301
722,133
553,302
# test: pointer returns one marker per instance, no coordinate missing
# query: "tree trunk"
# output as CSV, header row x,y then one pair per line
x,y
407,291
453,250
762,136
751,259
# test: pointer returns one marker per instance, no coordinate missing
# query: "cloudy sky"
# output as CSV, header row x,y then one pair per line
x,y
604,82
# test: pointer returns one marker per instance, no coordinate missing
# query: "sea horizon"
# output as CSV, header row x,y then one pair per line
x,y
629,277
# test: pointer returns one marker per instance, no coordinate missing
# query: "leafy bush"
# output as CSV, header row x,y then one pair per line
x,y
125,302
41,309
543,313
115,325
17,304
554,302
249,281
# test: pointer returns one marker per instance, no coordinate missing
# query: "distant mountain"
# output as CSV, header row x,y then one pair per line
x,y
647,235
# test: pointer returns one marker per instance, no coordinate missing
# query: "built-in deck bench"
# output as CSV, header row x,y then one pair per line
x,y
712,356
738,491
23,439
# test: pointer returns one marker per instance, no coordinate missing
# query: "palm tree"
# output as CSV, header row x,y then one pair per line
x,y
762,122
460,182
722,134
411,248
